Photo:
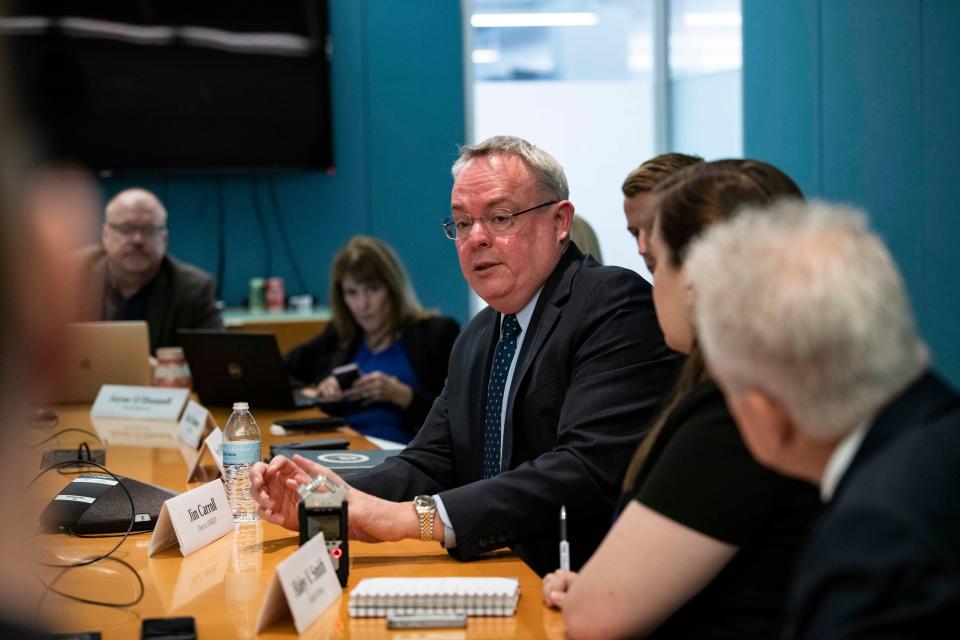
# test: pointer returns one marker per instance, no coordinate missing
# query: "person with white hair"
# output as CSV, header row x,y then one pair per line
x,y
806,325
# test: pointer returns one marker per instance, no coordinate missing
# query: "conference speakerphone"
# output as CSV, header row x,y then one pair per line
x,y
94,503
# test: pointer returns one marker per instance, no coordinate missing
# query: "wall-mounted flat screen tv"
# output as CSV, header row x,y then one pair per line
x,y
172,85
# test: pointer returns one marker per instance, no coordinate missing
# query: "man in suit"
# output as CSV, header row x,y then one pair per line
x,y
131,277
549,388
806,325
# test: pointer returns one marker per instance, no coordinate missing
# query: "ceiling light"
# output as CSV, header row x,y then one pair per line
x,y
571,19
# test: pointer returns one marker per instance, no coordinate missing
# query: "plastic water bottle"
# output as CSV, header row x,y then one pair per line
x,y
241,449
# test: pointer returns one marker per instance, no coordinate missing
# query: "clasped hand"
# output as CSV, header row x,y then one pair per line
x,y
370,387
371,519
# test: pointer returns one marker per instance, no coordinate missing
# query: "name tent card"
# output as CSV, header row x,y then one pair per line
x,y
305,584
139,403
194,424
193,519
212,448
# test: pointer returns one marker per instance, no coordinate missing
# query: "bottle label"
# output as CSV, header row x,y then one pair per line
x,y
241,452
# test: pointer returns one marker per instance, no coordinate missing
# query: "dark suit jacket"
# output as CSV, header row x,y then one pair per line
x,y
884,561
426,342
183,297
590,375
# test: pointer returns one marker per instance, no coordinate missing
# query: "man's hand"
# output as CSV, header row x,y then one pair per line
x,y
274,487
555,587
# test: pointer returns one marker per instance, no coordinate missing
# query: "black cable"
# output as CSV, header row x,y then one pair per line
x,y
89,561
264,231
102,603
133,511
63,431
221,236
278,217
80,459
74,534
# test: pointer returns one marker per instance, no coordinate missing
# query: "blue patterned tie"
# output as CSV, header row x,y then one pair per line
x,y
493,408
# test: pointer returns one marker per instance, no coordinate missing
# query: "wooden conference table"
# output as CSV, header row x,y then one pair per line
x,y
223,585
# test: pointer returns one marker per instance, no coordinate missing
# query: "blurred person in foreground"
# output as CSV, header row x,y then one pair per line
x,y
707,542
549,388
130,276
806,324
42,215
378,324
639,204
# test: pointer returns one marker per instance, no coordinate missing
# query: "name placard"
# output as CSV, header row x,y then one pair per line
x,y
193,519
212,448
305,584
194,424
139,403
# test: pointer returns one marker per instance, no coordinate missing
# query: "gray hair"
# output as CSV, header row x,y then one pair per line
x,y
804,303
545,169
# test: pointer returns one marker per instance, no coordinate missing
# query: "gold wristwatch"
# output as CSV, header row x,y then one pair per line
x,y
425,507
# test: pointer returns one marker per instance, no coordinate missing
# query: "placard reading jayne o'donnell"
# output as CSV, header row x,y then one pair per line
x,y
139,403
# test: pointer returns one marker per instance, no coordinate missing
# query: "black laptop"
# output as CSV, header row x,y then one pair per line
x,y
230,367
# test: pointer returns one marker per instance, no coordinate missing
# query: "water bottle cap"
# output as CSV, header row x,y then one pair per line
x,y
241,406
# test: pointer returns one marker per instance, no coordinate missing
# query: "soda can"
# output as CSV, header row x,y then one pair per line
x,y
257,295
276,299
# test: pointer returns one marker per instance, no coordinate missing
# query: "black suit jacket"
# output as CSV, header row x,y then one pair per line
x,y
426,342
884,561
590,375
182,297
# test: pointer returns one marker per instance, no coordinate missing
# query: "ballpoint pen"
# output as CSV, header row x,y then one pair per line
x,y
564,545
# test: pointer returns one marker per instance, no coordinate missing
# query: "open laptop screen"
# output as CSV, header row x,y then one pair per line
x,y
230,367
103,353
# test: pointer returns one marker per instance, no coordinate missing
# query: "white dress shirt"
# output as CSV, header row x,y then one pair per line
x,y
841,459
523,319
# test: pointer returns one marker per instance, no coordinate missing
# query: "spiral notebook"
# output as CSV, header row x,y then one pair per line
x,y
377,597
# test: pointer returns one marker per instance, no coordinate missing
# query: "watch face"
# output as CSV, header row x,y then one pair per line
x,y
424,502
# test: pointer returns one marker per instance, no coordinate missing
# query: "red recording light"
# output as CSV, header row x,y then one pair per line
x,y
336,552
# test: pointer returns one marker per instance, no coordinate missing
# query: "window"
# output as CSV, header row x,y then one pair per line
x,y
604,85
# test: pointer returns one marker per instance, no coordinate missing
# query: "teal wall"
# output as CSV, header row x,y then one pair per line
x,y
398,116
859,101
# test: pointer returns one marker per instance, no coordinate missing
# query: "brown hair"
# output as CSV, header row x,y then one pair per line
x,y
369,260
690,201
655,170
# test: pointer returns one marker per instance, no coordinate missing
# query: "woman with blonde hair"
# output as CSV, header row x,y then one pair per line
x,y
400,349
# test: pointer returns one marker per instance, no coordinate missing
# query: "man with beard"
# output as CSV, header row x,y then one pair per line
x,y
131,277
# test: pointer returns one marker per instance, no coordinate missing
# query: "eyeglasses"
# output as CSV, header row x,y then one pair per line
x,y
497,224
129,230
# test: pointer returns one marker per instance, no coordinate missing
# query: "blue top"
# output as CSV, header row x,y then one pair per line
x,y
383,419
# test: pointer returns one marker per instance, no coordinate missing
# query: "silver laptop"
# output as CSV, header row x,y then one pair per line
x,y
104,353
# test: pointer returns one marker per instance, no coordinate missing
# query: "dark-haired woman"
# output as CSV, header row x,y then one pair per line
x,y
378,324
706,546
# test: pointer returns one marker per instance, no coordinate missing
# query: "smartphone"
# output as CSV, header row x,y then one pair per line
x,y
183,628
304,448
300,426
346,375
